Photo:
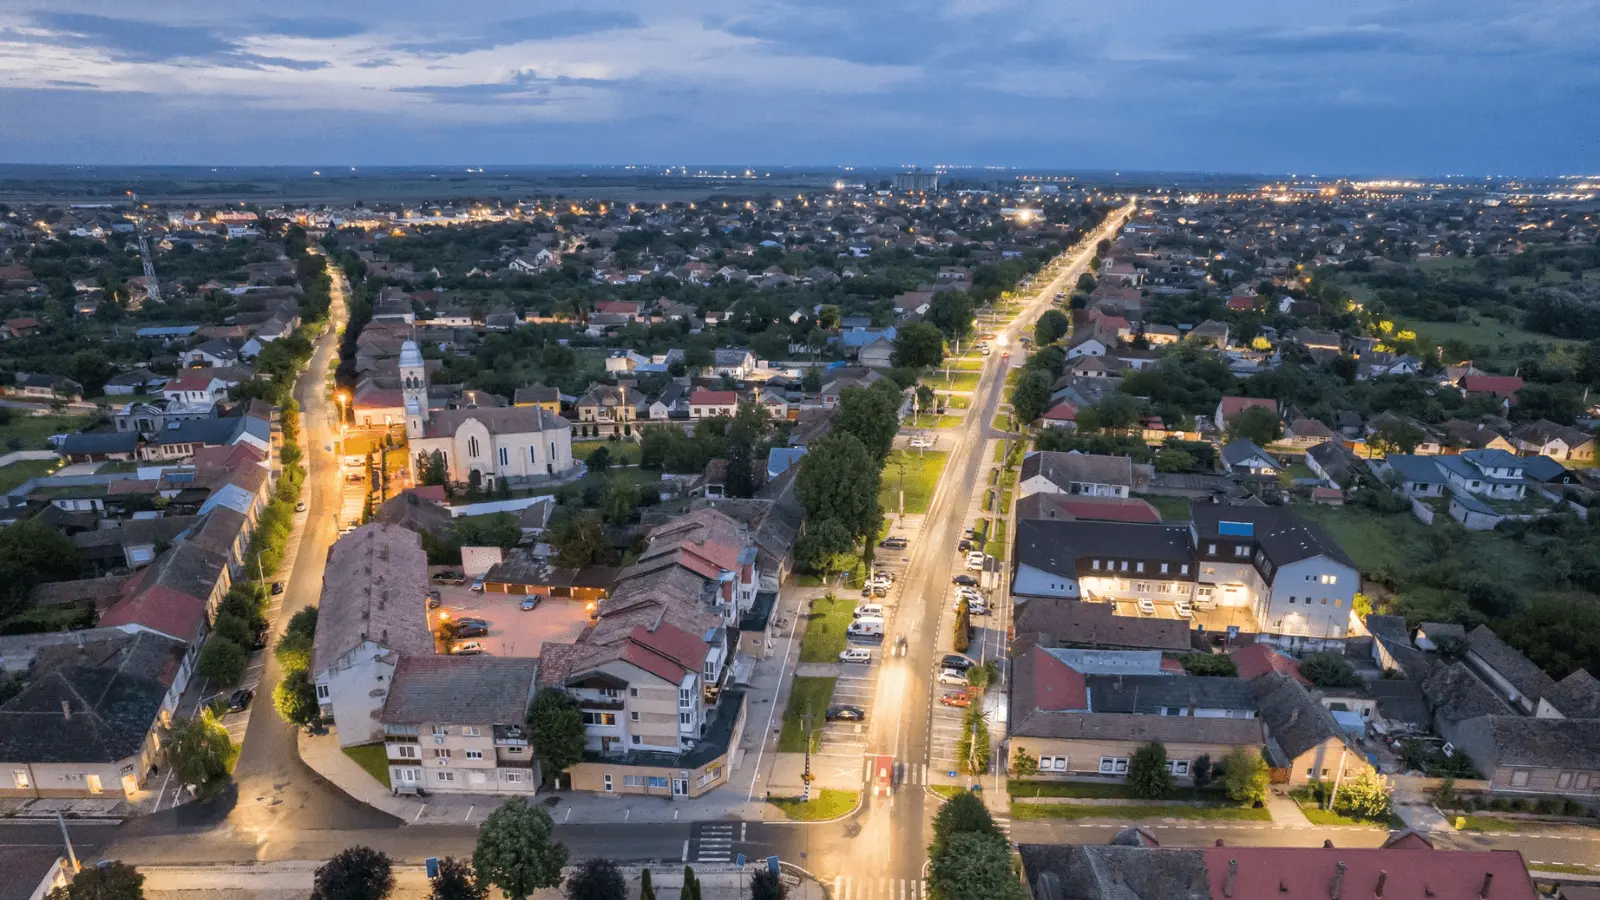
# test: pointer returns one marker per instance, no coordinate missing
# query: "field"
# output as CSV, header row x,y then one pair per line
x,y
825,627
958,381
964,364
22,470
1494,335
623,453
810,694
927,420
921,470
827,804
25,432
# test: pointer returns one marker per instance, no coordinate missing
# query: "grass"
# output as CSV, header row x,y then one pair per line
x,y
1005,502
825,626
1328,817
21,470
373,759
921,469
964,364
806,693
957,401
30,431
958,381
947,790
925,420
623,453
123,466
828,804
1002,422
1021,789
996,546
1490,823
1036,811
1567,868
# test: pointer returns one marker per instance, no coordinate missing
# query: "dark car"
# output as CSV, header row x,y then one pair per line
x,y
471,630
846,714
277,588
894,543
956,661
239,700
300,507
967,580
964,545
900,646
435,600
450,577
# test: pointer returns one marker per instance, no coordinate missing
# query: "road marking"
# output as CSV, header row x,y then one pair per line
x,y
468,816
685,848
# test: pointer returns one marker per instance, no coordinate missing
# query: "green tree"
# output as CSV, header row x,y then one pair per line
x,y
221,661
431,468
295,698
1171,459
1329,670
110,881
826,547
1245,775
599,460
691,885
619,497
1255,423
1051,327
355,873
31,553
457,881
974,865
1031,397
766,885
199,752
951,311
963,813
918,345
555,723
303,622
1395,436
1086,283
872,415
1366,796
1209,664
515,852
647,890
294,652
597,878
838,482
579,538
1148,775
1023,764
1201,770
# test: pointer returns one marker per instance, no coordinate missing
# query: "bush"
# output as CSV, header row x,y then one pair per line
x,y
222,661
1550,806
1148,775
1329,670
234,629
294,652
303,622
1209,664
295,699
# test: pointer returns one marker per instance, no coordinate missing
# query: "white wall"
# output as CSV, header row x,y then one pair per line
x,y
1034,582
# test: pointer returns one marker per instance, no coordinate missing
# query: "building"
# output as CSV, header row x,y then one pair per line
x,y
1245,457
1229,407
1075,624
604,410
372,614
705,404
1491,474
542,396
1303,740
1088,474
482,447
1102,561
916,181
1100,509
457,724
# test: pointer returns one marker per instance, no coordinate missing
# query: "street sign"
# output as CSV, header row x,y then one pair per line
x,y
772,864
739,860
1233,632
432,865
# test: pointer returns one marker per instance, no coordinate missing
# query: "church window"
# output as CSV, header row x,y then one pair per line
x,y
472,447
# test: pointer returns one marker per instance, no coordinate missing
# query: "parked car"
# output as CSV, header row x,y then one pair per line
x,y
956,698
964,545
450,576
875,590
846,714
530,602
952,676
300,507
874,610
964,580
856,655
239,700
277,588
1183,607
975,560
472,630
477,583
467,648
1146,606
894,543
435,600
956,661
921,442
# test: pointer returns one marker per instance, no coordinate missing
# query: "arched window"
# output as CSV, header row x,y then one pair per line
x,y
472,447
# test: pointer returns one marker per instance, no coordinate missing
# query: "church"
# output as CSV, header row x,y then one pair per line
x,y
482,446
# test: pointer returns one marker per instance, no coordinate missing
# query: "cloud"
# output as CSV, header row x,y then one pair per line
x,y
314,27
1338,40
550,25
133,40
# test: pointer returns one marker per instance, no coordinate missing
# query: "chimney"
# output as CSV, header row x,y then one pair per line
x,y
1219,842
1294,715
1327,844
66,713
1338,881
1488,879
1227,882
1378,891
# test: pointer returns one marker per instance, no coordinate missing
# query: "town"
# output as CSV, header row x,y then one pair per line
x,y
1078,538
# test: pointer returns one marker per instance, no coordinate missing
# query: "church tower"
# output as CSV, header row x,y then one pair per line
x,y
414,388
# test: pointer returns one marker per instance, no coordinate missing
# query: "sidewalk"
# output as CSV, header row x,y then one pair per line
x,y
1415,807
1285,812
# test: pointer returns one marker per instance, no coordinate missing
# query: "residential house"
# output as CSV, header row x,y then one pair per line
x,y
879,354
1334,463
1549,757
1303,434
1063,415
1099,509
1504,387
1245,457
1486,434
705,404
1046,471
41,386
1073,623
542,396
1210,333
1494,474
1302,735
1229,407
1414,476
457,724
734,362
1545,438
604,410
1102,561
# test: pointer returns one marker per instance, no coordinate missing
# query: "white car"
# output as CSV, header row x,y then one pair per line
x,y
1146,606
856,655
975,560
869,609
951,676
920,442
971,593
1183,608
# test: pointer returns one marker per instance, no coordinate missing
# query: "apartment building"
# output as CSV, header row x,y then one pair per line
x,y
457,724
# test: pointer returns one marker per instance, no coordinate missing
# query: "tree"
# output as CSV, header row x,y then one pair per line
x,y
1255,423
431,468
555,723
32,552
457,881
1395,436
356,873
579,538
825,547
1208,664
951,311
974,865
221,660
1366,796
766,885
599,459
1051,327
515,852
963,813
1086,283
1031,397
918,345
838,481
1329,670
619,497
295,699
199,751
303,622
691,885
811,382
1171,459
1245,774
1023,764
110,881
294,652
597,878
1148,775
872,415
1201,770
647,891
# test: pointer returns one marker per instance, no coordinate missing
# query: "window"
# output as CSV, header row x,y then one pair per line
x,y
445,776
1203,592
504,457
1094,564
636,739
1519,778
1053,763
514,777
322,692
633,716
1338,601
633,692
474,754
406,751
1138,567
685,698
1324,601
1291,599
441,729
608,782
1581,782
1124,565
1142,587
1163,588
410,775
611,693
1164,568
473,447
657,781
1113,765
20,778
1241,549
516,749
685,718
1183,569
1324,773
470,731
441,753
1211,549
1330,579
1178,767
599,718
633,781
533,454
1209,570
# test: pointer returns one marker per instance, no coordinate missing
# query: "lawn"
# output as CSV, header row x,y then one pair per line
x,y
825,625
623,453
926,420
807,694
947,790
921,470
1328,817
996,546
827,804
958,381
1490,823
1002,422
1135,813
1491,335
957,401
25,432
21,470
373,758
964,364
1005,503
1021,789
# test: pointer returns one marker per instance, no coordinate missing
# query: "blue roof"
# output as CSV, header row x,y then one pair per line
x,y
1464,469
1472,504
1423,469
1494,459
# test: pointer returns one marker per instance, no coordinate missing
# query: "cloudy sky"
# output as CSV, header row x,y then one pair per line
x,y
1351,86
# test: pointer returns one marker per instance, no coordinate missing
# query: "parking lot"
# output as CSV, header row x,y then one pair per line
x,y
1215,619
513,631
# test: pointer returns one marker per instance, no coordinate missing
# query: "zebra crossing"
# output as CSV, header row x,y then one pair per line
x,y
847,887
904,773
712,842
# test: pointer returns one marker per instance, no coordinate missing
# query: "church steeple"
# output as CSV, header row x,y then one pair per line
x,y
414,388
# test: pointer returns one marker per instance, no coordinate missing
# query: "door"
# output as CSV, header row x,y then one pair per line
x,y
680,787
94,784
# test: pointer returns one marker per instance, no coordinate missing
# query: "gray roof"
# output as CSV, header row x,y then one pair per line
x,y
1457,694
1527,678
1400,700
1062,469
1149,694
1519,741
100,442
1294,718
1284,536
1055,545
1075,623
1577,696
460,690
1108,872
375,586
23,869
113,689
537,393
1095,726
1236,452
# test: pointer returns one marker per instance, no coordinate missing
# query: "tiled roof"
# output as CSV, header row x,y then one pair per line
x,y
374,586
1075,623
498,420
1302,873
1259,659
1102,509
1294,718
460,690
1063,469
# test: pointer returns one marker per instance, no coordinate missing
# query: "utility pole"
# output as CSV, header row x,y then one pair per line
x,y
805,777
72,856
1338,777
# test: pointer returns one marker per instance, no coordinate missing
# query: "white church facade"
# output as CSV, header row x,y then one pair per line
x,y
482,446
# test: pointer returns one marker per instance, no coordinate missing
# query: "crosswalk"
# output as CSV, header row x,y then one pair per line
x,y
712,842
847,887
904,773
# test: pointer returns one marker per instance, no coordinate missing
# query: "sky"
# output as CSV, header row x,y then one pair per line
x,y
1371,87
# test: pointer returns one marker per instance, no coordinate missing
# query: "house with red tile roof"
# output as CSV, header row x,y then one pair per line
x,y
1228,407
704,404
1259,659
1503,386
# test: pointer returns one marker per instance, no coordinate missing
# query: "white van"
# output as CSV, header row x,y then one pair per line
x,y
867,626
866,610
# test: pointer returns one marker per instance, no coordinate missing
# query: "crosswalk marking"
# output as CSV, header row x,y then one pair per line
x,y
846,887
